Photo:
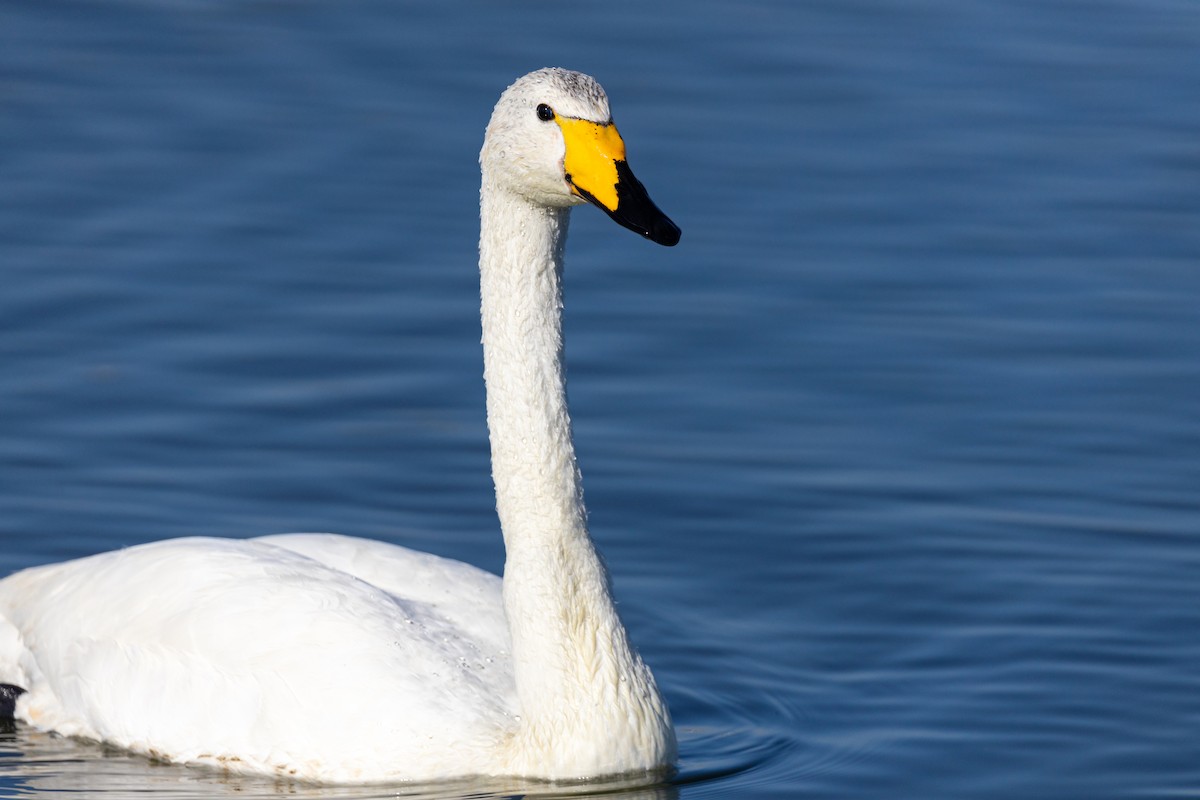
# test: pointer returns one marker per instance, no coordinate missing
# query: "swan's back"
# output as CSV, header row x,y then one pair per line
x,y
197,653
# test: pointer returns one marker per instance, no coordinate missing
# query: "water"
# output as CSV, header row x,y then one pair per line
x,y
894,458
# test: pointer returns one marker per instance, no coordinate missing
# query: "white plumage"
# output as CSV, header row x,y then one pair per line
x,y
338,659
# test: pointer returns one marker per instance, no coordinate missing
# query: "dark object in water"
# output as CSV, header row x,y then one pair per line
x,y
8,699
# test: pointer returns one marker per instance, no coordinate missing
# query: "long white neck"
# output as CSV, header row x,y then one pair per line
x,y
589,705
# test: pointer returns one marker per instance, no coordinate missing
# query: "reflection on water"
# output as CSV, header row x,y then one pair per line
x,y
35,762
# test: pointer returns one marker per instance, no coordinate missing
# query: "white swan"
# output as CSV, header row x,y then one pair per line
x,y
339,659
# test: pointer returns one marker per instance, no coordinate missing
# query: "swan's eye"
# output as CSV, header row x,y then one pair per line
x,y
545,113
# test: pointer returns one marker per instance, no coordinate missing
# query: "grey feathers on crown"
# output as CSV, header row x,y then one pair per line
x,y
576,94
577,84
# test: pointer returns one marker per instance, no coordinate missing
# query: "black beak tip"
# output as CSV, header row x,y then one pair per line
x,y
667,233
664,232
636,211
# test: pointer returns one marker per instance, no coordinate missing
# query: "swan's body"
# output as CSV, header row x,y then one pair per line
x,y
360,661
340,659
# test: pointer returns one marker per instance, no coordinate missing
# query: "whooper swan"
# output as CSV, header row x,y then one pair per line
x,y
340,659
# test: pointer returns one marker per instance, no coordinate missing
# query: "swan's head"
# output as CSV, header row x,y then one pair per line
x,y
552,140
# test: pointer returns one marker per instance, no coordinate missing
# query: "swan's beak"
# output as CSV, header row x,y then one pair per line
x,y
597,171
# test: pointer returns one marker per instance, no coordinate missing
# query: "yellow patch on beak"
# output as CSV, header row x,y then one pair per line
x,y
593,151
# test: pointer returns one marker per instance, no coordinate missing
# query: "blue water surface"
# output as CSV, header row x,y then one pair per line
x,y
895,459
